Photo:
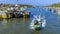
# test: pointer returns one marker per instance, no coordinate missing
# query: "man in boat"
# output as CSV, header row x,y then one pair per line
x,y
38,23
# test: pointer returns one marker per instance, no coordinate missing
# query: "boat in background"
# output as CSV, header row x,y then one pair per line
x,y
4,15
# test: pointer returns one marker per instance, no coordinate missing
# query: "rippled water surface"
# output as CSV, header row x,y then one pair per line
x,y
21,25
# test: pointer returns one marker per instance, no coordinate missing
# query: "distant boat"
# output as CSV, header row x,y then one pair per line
x,y
37,23
52,11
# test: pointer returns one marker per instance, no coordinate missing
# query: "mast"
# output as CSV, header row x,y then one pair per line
x,y
16,3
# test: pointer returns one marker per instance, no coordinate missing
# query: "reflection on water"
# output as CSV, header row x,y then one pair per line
x,y
4,23
35,32
14,26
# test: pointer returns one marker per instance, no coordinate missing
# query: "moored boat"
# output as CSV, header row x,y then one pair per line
x,y
4,15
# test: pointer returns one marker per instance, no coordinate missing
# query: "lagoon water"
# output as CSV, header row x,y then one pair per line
x,y
21,25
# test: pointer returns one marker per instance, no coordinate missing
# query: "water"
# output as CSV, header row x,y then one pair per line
x,y
21,25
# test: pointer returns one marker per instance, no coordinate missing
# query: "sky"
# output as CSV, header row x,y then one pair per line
x,y
31,2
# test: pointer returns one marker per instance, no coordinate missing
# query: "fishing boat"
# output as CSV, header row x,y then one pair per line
x,y
37,23
4,15
26,14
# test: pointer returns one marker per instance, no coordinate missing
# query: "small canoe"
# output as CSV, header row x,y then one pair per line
x,y
38,25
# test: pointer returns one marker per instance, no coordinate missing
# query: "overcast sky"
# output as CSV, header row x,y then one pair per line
x,y
31,2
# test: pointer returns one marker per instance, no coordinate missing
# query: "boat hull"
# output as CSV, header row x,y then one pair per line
x,y
36,27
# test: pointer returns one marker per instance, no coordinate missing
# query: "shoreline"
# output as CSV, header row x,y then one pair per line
x,y
55,8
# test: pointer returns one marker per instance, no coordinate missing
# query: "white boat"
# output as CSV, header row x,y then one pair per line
x,y
41,23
